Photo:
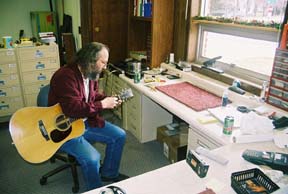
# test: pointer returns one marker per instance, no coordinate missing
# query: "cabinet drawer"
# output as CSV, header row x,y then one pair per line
x,y
10,105
10,91
117,89
134,128
37,52
279,83
197,139
134,103
7,56
134,116
43,64
118,112
31,99
276,92
109,79
37,76
118,85
9,80
118,81
35,88
8,68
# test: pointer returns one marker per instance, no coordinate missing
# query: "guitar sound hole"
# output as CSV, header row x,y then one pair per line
x,y
58,136
62,122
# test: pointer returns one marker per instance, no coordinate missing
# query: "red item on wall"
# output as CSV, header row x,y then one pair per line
x,y
192,96
283,42
49,18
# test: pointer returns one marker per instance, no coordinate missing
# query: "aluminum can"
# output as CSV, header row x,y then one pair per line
x,y
228,125
137,76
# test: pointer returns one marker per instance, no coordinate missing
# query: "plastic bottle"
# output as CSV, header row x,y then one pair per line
x,y
225,98
263,90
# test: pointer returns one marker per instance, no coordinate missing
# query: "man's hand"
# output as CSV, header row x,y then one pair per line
x,y
110,102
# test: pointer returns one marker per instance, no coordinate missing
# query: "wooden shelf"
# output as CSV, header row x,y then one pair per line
x,y
155,36
235,25
146,19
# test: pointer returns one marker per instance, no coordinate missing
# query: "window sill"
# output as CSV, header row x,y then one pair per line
x,y
228,79
270,29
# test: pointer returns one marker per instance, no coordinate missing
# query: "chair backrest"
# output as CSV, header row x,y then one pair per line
x,y
42,98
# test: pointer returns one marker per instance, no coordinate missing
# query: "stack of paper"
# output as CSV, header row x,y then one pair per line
x,y
221,112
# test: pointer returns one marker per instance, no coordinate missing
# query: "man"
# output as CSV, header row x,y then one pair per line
x,y
75,87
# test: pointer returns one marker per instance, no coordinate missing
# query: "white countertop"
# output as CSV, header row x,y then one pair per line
x,y
214,130
179,178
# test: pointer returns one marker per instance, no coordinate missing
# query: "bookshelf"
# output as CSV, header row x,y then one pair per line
x,y
152,34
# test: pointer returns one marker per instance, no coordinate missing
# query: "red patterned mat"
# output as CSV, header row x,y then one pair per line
x,y
190,95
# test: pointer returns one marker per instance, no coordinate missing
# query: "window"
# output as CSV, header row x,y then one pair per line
x,y
246,51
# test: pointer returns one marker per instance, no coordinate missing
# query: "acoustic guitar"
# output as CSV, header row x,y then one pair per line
x,y
38,132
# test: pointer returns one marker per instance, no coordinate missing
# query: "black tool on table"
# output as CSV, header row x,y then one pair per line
x,y
237,90
275,160
210,63
281,122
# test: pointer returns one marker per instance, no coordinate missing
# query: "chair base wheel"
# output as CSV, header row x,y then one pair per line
x,y
43,181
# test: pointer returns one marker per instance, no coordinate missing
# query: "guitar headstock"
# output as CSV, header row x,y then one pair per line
x,y
125,94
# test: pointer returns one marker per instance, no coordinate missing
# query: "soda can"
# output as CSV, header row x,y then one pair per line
x,y
228,125
137,76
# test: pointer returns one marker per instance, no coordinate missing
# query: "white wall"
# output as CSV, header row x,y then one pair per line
x,y
15,15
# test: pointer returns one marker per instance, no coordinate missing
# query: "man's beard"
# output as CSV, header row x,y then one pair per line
x,y
94,75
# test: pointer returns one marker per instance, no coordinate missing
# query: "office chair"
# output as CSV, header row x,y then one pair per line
x,y
69,161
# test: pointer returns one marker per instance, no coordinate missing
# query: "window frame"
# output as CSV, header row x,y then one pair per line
x,y
260,33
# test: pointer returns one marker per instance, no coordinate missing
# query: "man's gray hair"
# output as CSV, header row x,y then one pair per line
x,y
89,54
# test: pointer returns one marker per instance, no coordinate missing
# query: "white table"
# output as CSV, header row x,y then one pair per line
x,y
179,178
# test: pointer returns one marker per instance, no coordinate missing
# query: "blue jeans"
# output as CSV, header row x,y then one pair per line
x,y
89,158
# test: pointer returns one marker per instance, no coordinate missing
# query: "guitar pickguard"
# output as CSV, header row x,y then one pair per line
x,y
58,136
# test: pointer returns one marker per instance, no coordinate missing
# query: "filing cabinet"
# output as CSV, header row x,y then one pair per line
x,y
113,86
117,86
132,120
108,80
36,67
137,109
140,109
10,89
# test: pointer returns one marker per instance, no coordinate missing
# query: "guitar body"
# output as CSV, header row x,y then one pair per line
x,y
38,132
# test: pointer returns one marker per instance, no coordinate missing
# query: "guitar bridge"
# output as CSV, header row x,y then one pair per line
x,y
43,130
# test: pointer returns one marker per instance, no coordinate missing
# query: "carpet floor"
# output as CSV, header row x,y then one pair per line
x,y
19,176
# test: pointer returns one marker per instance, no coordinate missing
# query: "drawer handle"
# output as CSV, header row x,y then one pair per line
x,y
202,144
38,54
41,77
4,106
2,93
40,65
2,82
41,86
133,127
0,70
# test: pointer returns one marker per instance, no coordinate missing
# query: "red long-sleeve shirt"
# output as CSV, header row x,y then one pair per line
x,y
67,89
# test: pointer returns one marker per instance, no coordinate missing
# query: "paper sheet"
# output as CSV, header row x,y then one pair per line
x,y
221,112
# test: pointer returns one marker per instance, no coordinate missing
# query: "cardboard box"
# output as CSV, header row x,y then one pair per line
x,y
174,146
